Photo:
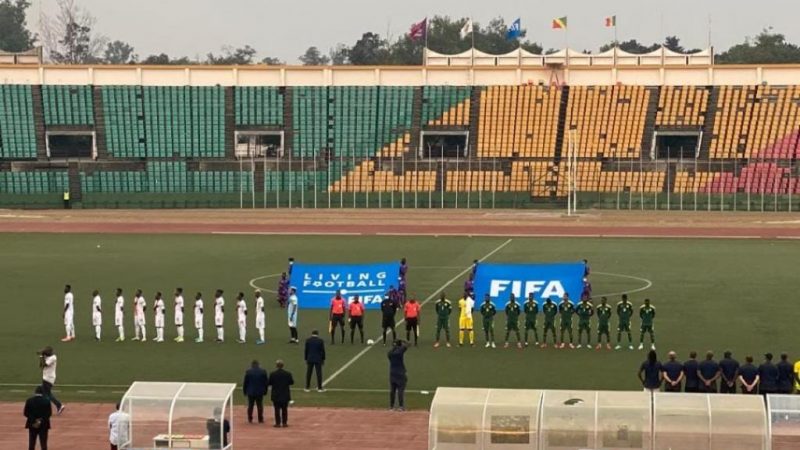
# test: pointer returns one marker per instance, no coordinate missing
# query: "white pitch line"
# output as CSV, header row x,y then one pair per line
x,y
648,284
399,322
107,386
287,233
254,286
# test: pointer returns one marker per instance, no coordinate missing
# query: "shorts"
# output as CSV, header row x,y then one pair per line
x,y
512,326
118,321
242,323
260,321
584,327
68,319
337,319
550,326
443,323
603,329
356,322
179,320
198,322
219,320
140,321
530,324
624,326
465,323
488,324
159,321
412,323
565,326
387,322
97,320
647,328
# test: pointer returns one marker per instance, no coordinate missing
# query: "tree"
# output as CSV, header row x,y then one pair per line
x,y
766,48
119,52
371,49
231,56
313,57
339,55
163,59
631,46
14,34
271,61
68,35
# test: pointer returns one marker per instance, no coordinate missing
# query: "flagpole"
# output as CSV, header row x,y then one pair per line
x,y
425,50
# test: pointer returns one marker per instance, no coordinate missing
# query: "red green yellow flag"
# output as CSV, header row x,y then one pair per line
x,y
611,21
560,23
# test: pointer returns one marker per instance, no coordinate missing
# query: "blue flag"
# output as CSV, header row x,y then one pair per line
x,y
542,280
514,30
316,284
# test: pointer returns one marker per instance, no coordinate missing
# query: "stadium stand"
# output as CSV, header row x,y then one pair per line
x,y
68,105
258,106
446,105
680,106
17,128
124,119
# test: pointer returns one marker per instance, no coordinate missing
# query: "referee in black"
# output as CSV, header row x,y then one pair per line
x,y
388,310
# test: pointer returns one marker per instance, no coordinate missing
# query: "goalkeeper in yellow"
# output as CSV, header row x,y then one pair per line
x,y
466,304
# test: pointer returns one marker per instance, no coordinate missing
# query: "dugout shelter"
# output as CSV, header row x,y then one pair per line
x,y
178,415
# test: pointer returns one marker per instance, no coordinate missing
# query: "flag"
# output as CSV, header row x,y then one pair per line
x,y
611,21
560,23
418,30
514,30
466,30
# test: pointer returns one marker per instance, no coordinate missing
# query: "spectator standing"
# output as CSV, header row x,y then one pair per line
x,y
708,372
650,372
785,375
255,388
748,377
768,376
291,312
314,356
117,428
37,414
397,375
281,382
48,362
690,373
672,373
729,368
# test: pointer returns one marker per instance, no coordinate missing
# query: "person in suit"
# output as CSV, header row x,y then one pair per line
x,y
255,388
281,381
37,418
315,358
397,374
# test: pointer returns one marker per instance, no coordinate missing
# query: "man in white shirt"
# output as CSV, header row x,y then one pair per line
x,y
68,314
97,314
179,314
118,423
48,362
219,315
158,310
260,318
119,316
291,311
139,321
241,317
198,317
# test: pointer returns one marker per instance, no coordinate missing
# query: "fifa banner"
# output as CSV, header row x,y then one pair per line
x,y
543,280
316,284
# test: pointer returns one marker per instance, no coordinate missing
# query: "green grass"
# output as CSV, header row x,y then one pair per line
x,y
710,294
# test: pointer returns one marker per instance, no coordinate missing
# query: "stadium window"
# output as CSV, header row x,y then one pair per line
x,y
444,144
71,144
677,144
259,144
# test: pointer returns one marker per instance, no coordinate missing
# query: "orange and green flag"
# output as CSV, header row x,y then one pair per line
x,y
560,23
611,21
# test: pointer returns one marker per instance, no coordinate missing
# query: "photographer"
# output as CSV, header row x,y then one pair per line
x,y
397,374
47,362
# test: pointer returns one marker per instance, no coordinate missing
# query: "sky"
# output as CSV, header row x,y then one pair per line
x,y
286,28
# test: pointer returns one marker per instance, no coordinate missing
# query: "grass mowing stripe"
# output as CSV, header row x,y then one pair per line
x,y
399,322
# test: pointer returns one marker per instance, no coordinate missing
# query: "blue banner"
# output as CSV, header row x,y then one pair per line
x,y
543,280
316,284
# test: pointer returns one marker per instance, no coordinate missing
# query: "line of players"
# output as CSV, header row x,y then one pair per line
x,y
159,315
564,311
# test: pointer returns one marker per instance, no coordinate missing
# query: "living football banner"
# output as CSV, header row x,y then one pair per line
x,y
316,284
544,280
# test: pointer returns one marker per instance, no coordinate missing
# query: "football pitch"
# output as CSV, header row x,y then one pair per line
x,y
710,294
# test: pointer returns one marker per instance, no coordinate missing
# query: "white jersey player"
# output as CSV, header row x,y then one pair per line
x,y
97,314
241,317
119,316
179,314
139,320
219,315
158,310
198,316
68,314
260,317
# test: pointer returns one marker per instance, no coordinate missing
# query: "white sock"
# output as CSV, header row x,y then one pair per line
x,y
144,333
97,332
220,333
200,333
261,333
121,331
137,331
242,332
72,330
66,331
180,331
160,333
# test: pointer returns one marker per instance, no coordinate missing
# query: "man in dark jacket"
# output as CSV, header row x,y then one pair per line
x,y
255,388
315,358
768,376
785,375
397,374
690,372
37,418
281,381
